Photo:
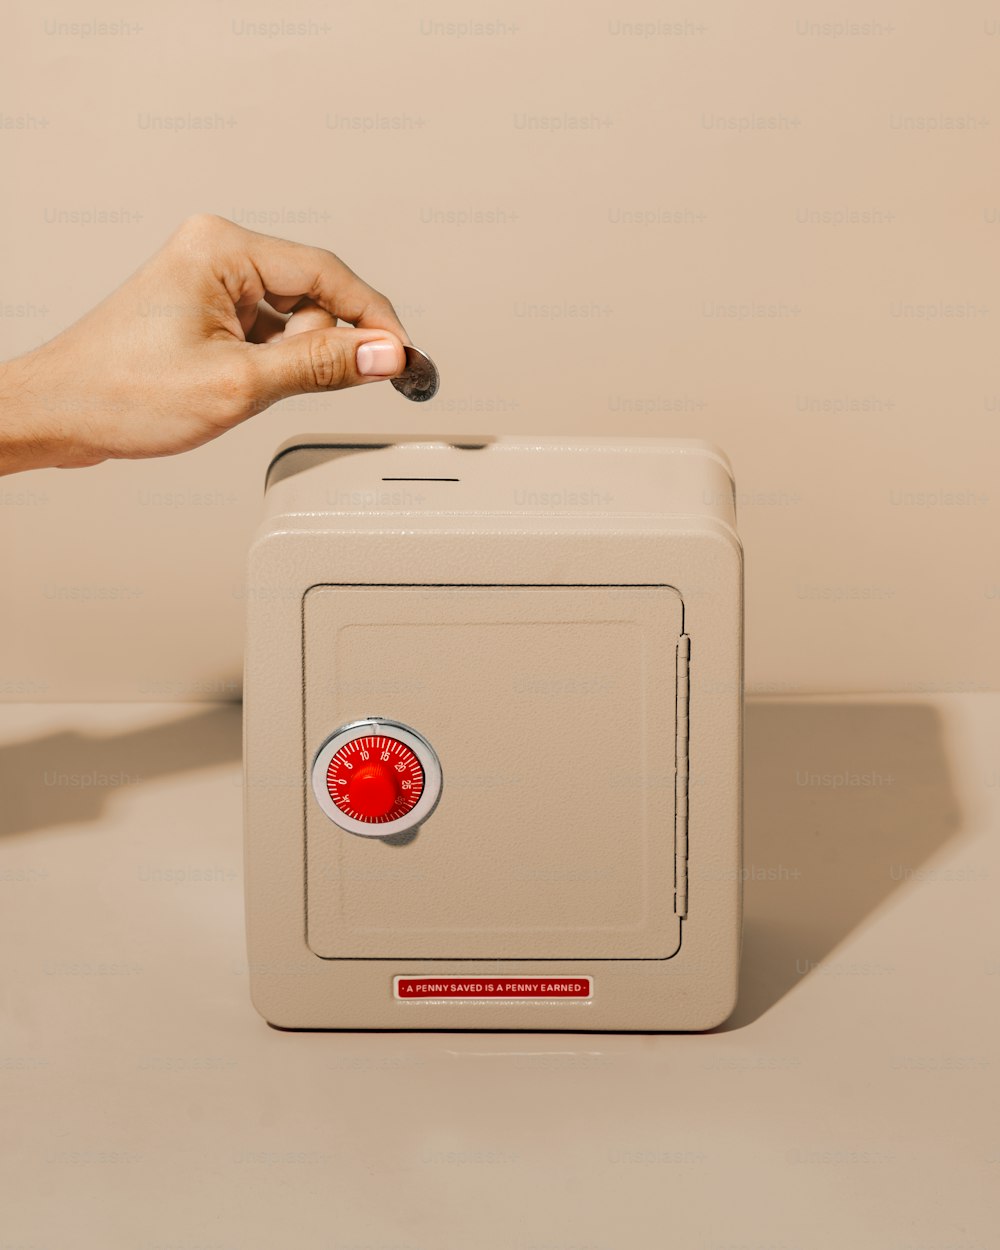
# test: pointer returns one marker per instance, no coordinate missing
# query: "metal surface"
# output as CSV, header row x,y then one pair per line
x,y
419,380
497,611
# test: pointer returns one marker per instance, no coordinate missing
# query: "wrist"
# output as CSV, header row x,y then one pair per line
x,y
24,444
31,433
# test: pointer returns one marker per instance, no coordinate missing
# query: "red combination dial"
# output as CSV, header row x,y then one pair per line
x,y
375,779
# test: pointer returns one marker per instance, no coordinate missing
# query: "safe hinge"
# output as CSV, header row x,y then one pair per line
x,y
681,777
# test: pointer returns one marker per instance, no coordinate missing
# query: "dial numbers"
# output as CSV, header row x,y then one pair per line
x,y
375,779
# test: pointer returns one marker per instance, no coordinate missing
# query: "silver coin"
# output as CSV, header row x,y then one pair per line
x,y
419,380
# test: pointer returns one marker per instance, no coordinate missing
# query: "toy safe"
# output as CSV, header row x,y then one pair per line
x,y
493,710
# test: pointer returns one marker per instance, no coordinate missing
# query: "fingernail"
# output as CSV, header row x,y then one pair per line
x,y
378,359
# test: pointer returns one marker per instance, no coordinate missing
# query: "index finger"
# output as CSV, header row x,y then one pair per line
x,y
290,271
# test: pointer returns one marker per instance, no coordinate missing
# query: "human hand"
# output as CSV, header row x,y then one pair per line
x,y
218,325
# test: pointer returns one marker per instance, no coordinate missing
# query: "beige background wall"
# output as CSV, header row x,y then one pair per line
x,y
772,225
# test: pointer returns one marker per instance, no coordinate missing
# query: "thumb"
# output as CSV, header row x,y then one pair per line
x,y
324,360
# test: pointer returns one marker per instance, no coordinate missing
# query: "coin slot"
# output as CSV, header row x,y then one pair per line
x,y
421,479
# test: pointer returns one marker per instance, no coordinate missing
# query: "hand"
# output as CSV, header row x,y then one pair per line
x,y
218,325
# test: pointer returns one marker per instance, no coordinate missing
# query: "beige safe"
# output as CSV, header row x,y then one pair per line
x,y
492,735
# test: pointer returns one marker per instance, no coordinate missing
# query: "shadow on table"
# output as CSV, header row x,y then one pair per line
x,y
68,777
844,801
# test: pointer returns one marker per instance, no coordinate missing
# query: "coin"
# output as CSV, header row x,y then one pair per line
x,y
419,380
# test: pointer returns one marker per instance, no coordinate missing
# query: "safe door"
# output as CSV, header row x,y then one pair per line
x,y
553,711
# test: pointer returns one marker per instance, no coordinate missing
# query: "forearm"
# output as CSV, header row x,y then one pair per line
x,y
34,419
25,441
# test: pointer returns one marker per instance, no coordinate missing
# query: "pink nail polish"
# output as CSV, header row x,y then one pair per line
x,y
377,359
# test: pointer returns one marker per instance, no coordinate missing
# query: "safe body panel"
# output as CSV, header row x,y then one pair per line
x,y
576,531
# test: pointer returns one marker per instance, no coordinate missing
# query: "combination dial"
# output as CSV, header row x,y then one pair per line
x,y
377,777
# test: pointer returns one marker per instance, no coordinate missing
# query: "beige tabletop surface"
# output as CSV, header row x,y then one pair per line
x,y
851,1101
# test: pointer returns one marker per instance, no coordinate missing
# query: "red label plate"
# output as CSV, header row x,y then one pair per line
x,y
490,989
